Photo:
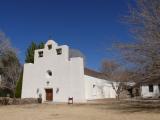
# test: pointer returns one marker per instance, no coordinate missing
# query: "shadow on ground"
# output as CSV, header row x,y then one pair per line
x,y
130,106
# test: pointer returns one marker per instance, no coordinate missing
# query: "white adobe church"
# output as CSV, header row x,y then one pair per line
x,y
56,77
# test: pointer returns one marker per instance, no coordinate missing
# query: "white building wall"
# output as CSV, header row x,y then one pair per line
x,y
145,91
77,79
67,80
96,88
67,75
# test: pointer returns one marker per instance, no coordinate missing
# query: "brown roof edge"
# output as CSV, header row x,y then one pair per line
x,y
94,73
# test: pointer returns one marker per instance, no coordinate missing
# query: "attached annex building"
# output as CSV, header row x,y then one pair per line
x,y
56,77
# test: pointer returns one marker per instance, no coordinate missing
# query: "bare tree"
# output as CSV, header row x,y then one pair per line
x,y
5,44
10,67
11,72
143,54
116,74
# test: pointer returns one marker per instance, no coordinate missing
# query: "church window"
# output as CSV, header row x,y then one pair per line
x,y
59,51
40,53
49,72
49,47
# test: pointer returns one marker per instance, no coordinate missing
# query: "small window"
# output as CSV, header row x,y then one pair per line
x,y
150,88
49,47
159,87
94,85
59,51
49,72
40,53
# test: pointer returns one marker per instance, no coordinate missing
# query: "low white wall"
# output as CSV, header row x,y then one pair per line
x,y
96,88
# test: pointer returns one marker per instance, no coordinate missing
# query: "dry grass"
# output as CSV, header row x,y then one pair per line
x,y
99,111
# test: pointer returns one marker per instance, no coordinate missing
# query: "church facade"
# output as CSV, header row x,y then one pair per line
x,y
56,77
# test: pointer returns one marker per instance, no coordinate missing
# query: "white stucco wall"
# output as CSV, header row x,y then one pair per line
x,y
96,88
145,91
67,80
67,75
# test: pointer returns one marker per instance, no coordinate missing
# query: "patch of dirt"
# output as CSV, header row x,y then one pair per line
x,y
97,111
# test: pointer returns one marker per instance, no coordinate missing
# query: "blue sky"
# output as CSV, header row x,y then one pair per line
x,y
88,25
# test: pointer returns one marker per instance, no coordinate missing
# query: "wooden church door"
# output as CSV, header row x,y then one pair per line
x,y
49,94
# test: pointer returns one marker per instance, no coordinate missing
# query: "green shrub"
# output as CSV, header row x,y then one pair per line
x,y
19,86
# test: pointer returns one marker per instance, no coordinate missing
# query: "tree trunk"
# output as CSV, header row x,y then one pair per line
x,y
117,97
14,96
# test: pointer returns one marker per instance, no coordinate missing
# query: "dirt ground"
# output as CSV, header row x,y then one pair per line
x,y
98,111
